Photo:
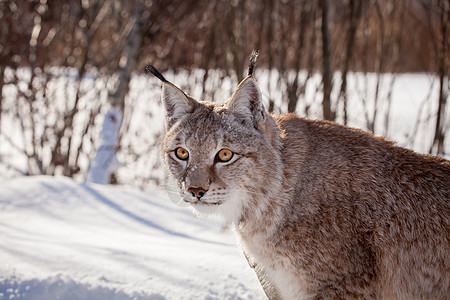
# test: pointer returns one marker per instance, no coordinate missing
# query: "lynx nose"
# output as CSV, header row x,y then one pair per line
x,y
197,192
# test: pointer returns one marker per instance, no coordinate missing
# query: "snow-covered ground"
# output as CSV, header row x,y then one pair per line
x,y
60,239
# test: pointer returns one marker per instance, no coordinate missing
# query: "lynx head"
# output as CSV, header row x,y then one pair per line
x,y
224,156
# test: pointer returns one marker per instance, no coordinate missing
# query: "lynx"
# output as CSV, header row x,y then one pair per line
x,y
322,211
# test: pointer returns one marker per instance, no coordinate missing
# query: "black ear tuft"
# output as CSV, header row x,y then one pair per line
x,y
252,64
151,69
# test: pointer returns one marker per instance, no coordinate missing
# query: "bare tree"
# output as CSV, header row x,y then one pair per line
x,y
379,64
439,135
6,51
354,14
92,15
293,89
32,151
105,162
326,63
270,35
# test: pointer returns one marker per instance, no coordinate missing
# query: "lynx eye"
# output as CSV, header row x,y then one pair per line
x,y
181,153
224,155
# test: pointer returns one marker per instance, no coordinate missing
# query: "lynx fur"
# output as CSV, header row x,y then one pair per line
x,y
323,210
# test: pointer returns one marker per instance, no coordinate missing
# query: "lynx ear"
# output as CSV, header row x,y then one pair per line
x,y
176,103
246,103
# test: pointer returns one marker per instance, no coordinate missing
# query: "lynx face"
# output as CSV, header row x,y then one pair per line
x,y
219,153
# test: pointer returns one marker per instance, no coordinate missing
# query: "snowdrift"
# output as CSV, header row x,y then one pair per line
x,y
64,240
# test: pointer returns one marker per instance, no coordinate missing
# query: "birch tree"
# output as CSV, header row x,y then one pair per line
x,y
146,21
105,161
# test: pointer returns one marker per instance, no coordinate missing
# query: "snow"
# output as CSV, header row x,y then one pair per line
x,y
60,239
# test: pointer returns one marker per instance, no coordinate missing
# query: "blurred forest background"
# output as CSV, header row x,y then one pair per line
x,y
102,44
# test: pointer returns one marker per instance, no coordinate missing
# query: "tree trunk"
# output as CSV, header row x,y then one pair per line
x,y
355,13
438,141
2,82
293,88
32,59
379,65
326,65
269,7
105,162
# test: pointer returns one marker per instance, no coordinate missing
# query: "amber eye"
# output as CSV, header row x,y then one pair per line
x,y
224,155
181,153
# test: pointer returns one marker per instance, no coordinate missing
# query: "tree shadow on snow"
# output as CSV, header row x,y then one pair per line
x,y
142,220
